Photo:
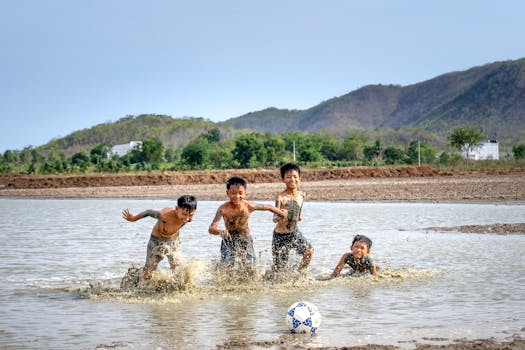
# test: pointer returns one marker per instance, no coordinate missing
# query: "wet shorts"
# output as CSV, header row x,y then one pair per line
x,y
158,248
283,242
235,246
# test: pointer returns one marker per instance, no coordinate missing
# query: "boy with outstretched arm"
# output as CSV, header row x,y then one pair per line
x,y
236,239
286,235
164,239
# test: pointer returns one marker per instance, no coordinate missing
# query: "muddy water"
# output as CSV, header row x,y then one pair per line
x,y
62,262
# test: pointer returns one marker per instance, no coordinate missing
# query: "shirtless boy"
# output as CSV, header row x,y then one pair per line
x,y
164,239
286,234
236,239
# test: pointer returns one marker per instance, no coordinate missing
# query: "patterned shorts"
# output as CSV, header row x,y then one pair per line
x,y
158,248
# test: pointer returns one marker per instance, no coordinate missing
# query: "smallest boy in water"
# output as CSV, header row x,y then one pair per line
x,y
357,258
164,239
236,239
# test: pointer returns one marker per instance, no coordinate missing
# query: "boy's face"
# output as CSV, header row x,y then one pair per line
x,y
359,249
236,194
292,179
184,215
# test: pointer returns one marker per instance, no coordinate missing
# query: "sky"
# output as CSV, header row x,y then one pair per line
x,y
70,65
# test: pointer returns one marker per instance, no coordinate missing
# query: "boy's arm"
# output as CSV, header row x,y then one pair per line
x,y
339,266
283,213
277,218
301,212
214,226
373,270
130,217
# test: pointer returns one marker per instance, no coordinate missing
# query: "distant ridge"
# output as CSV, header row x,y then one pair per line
x,y
491,96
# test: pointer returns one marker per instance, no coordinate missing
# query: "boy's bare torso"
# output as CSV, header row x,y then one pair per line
x,y
168,225
293,202
236,217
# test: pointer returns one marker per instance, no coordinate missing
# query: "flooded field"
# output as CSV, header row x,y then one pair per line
x,y
62,262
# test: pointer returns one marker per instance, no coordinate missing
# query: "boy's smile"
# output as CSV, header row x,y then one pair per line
x,y
184,215
236,194
359,249
292,179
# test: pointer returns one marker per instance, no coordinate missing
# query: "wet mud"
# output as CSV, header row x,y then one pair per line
x,y
501,229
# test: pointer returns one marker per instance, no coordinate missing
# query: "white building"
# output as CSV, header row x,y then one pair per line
x,y
486,150
122,150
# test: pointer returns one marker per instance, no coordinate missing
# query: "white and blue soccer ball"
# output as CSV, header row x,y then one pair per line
x,y
303,317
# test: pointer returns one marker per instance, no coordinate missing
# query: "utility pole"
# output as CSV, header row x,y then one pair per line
x,y
294,151
418,153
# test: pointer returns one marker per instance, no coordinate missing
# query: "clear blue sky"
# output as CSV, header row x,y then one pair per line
x,y
69,65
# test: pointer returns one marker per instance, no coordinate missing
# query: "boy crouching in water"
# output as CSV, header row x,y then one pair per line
x,y
286,234
164,239
237,242
358,258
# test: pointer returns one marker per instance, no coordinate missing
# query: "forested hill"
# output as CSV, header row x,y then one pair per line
x,y
491,96
172,132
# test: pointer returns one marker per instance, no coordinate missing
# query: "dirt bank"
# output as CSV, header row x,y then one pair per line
x,y
357,183
18,181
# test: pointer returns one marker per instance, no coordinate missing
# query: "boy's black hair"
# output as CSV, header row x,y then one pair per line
x,y
364,239
235,181
289,166
187,202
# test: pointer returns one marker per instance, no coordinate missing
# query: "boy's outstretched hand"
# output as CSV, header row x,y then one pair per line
x,y
128,216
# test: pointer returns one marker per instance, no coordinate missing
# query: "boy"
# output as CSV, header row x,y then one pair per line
x,y
236,239
357,258
164,239
286,234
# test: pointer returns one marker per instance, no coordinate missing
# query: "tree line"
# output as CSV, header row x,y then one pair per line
x,y
247,150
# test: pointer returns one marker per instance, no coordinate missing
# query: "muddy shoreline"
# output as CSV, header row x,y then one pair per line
x,y
347,184
514,343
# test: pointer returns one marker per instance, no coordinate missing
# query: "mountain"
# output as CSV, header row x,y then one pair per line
x,y
491,96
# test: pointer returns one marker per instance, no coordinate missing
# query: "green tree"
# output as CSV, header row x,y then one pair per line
x,y
9,156
152,151
394,155
519,151
80,159
373,152
465,138
99,153
309,149
274,147
249,150
352,148
170,155
25,155
212,136
420,151
36,156
196,153
329,146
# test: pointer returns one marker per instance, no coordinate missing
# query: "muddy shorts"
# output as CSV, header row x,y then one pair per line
x,y
158,248
283,242
236,247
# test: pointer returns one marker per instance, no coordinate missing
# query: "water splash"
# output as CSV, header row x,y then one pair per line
x,y
194,279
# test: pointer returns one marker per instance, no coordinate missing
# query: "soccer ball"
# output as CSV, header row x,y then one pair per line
x,y
303,317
